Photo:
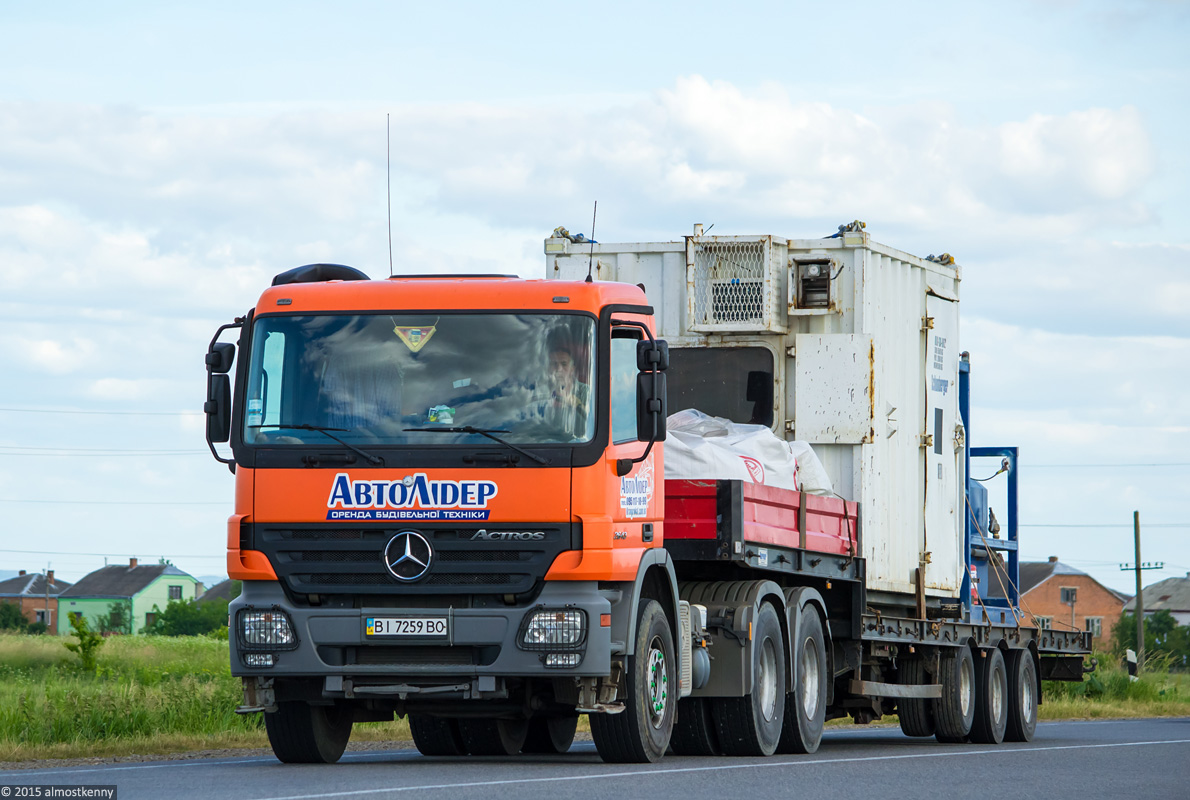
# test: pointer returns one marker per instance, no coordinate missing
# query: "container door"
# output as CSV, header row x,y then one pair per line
x,y
943,517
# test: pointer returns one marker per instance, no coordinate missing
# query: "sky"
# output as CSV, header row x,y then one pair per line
x,y
160,162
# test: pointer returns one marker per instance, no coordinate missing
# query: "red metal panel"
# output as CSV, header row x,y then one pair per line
x,y
691,509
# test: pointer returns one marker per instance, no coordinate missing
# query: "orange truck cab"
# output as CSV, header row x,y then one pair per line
x,y
447,505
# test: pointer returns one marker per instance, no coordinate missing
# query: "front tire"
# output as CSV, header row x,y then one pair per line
x,y
751,725
805,706
1023,696
641,732
301,733
954,711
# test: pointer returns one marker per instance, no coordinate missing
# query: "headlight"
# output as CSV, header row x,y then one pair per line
x,y
554,629
259,659
266,629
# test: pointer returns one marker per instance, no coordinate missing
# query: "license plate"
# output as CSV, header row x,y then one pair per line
x,y
405,626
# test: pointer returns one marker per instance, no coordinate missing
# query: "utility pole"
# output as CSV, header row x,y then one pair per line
x,y
1140,598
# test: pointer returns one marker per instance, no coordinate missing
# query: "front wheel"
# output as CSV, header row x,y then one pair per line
x,y
301,733
641,732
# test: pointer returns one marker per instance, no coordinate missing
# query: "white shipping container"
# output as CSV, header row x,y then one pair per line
x,y
842,342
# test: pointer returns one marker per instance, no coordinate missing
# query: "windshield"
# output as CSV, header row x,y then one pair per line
x,y
370,378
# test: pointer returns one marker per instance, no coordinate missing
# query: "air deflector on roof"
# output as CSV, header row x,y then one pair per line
x,y
313,273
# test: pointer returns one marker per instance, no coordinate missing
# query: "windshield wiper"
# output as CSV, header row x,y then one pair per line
x,y
490,433
375,461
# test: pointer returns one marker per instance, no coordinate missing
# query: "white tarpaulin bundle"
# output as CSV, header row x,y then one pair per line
x,y
702,447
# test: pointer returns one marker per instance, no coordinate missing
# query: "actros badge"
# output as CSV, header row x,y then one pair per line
x,y
407,556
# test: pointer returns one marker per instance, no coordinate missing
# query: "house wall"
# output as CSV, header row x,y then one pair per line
x,y
32,604
1093,600
92,608
157,594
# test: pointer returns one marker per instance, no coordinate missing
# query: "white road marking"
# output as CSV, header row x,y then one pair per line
x,y
720,768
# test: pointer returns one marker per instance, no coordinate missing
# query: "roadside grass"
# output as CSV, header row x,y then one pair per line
x,y
158,695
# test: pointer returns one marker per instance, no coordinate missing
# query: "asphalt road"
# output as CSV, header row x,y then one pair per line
x,y
1083,760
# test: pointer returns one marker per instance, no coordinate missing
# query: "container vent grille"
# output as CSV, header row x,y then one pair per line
x,y
730,284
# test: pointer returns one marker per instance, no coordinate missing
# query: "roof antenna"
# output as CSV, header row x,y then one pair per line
x,y
591,260
388,169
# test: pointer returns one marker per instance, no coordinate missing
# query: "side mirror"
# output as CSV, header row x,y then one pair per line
x,y
651,407
220,357
218,407
652,355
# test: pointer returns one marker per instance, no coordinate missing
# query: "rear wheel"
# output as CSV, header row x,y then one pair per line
x,y
805,706
301,733
694,731
751,725
915,713
954,711
550,734
436,736
1023,696
991,698
641,732
494,737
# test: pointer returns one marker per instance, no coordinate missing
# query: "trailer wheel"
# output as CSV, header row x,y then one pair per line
x,y
915,713
437,736
991,698
805,706
751,725
954,711
550,735
1022,696
301,733
641,732
494,737
694,730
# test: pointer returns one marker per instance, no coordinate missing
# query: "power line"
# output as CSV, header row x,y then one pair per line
x,y
113,502
1082,466
109,555
1103,525
114,413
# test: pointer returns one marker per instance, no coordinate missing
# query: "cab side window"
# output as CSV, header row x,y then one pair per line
x,y
623,385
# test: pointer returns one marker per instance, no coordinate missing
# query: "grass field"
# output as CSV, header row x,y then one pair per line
x,y
154,695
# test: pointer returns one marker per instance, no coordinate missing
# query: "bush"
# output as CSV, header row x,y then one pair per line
x,y
11,618
1163,637
88,643
188,618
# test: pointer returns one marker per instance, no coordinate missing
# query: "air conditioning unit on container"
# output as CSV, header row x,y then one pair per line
x,y
734,282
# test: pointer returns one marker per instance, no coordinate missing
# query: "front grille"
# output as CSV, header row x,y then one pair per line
x,y
327,560
417,656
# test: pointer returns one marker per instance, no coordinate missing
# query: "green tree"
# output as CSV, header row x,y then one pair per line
x,y
118,618
188,618
1162,635
88,644
11,618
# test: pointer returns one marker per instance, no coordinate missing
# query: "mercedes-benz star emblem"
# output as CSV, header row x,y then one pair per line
x,y
407,556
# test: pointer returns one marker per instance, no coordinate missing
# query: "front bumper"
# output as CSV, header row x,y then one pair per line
x,y
332,643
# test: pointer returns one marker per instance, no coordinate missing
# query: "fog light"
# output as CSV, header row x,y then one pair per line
x,y
563,659
259,659
551,628
270,629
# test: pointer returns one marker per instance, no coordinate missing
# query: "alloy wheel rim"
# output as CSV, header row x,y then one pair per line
x,y
657,680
